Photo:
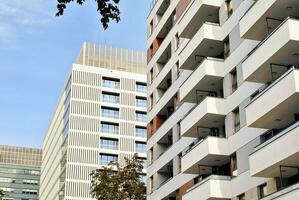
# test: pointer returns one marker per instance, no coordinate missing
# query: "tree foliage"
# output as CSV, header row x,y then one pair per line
x,y
1,194
119,183
108,9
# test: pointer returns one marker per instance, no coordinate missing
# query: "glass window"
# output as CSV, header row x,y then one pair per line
x,y
111,83
140,132
141,117
29,192
236,113
263,192
105,159
7,180
109,128
141,87
141,102
110,97
241,197
140,147
143,179
110,112
109,143
30,182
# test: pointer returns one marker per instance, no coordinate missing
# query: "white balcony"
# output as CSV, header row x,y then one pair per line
x,y
207,42
212,151
283,149
198,12
281,48
170,186
276,105
213,187
209,113
288,193
207,76
264,16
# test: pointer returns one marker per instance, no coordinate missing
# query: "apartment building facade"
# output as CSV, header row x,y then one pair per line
x,y
20,172
222,92
100,117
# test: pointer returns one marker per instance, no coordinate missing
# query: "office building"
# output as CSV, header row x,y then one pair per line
x,y
100,117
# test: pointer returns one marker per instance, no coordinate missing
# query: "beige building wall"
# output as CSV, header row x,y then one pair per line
x,y
98,118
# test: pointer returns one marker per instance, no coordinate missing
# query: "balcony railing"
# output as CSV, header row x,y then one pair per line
x,y
266,38
269,85
276,136
197,142
211,177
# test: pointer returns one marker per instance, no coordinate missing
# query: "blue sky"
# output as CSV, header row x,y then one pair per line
x,y
36,53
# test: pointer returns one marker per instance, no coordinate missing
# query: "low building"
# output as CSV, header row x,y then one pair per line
x,y
20,172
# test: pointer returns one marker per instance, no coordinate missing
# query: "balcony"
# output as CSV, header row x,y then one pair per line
x,y
264,16
209,113
197,13
207,76
275,106
213,187
207,42
291,192
284,160
211,150
273,55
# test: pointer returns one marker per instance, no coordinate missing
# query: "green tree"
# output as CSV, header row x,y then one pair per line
x,y
108,9
1,194
119,183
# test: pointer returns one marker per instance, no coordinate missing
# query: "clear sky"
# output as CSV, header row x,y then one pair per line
x,y
36,53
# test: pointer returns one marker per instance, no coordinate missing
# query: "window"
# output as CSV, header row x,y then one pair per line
x,y
109,128
34,192
226,48
144,162
140,147
141,102
229,7
233,163
140,132
7,180
262,189
111,83
32,172
30,182
110,112
151,76
105,159
236,118
107,143
110,97
241,197
141,117
234,80
141,87
143,179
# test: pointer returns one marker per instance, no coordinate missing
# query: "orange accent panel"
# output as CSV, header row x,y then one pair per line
x,y
181,7
185,187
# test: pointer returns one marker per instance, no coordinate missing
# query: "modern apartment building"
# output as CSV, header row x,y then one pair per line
x,y
100,117
20,172
223,100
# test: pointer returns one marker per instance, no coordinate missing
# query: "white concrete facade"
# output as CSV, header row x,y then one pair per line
x,y
223,92
100,117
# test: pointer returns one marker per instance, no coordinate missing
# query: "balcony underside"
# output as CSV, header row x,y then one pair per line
x,y
284,151
206,48
265,16
199,12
